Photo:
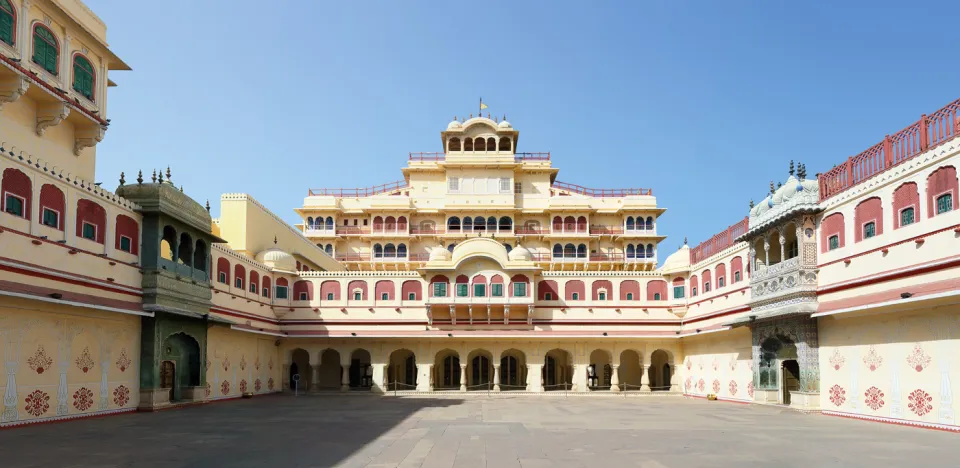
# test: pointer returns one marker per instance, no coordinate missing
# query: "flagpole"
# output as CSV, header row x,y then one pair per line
x,y
480,111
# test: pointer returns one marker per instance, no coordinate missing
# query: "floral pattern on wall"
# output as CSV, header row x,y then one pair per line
x,y
733,388
226,363
84,362
82,399
701,385
208,390
920,402
918,359
243,363
873,398
243,386
750,389
37,403
257,385
270,363
872,360
256,363
225,387
837,359
716,386
688,383
123,362
837,395
121,396
270,382
40,362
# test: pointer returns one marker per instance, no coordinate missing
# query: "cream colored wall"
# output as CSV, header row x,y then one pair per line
x,y
66,362
722,361
901,366
239,362
239,305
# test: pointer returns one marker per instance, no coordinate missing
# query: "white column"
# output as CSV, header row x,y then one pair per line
x,y
65,71
579,378
24,43
615,379
345,377
423,378
496,377
314,384
534,378
674,379
379,383
463,377
645,379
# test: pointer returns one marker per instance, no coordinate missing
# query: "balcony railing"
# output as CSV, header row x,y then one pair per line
x,y
365,257
352,230
423,231
359,192
602,193
599,230
719,241
436,156
421,157
530,231
930,131
520,157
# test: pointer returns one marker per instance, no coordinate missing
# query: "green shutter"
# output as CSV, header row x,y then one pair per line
x,y
83,76
45,49
944,203
6,22
906,217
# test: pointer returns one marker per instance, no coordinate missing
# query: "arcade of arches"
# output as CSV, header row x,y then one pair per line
x,y
466,367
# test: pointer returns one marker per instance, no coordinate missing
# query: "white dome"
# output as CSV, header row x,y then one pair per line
x,y
278,259
440,254
519,254
454,125
505,124
677,261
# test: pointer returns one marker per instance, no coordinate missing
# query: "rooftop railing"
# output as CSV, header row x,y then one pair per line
x,y
360,192
591,192
935,129
436,156
719,241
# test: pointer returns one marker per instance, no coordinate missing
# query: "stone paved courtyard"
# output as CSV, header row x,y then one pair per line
x,y
362,430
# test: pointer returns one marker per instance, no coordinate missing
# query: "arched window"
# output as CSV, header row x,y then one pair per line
x,y
506,224
557,251
831,233
630,251
649,223
438,286
491,144
84,78
867,216
454,144
468,144
570,251
389,251
17,191
640,252
402,223
328,249
504,144
8,22
582,251
453,223
630,225
127,238
402,251
239,274
377,251
52,206
942,191
329,222
310,222
378,223
199,252
491,224
46,49
557,223
92,221
223,270
451,247
582,224
254,282
569,224
467,224
391,223
478,224
508,247
649,250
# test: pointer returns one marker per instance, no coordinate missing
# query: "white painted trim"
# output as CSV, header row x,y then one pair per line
x,y
695,333
68,276
74,304
883,275
259,332
876,305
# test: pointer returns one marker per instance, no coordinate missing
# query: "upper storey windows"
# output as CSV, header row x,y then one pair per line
x,y
487,144
8,18
46,49
479,185
83,76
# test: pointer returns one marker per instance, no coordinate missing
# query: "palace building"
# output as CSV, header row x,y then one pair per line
x,y
477,271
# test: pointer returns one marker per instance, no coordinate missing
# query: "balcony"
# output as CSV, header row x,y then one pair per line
x,y
392,188
436,157
600,193
311,232
600,230
366,257
531,231
389,230
352,231
774,283
570,230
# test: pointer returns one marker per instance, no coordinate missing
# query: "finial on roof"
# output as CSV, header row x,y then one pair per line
x,y
791,167
684,240
803,171
160,177
504,116
139,177
208,206
169,178
121,178
751,203
779,184
181,188
772,189
471,115
488,115
154,177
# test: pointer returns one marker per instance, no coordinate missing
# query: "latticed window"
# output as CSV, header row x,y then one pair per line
x,y
439,289
89,231
678,292
462,290
45,49
281,292
6,22
83,76
479,290
496,290
834,242
944,203
869,230
906,217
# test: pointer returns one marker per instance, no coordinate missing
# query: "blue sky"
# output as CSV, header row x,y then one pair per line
x,y
704,102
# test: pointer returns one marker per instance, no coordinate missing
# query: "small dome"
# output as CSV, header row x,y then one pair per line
x,y
440,254
505,124
677,261
278,259
454,125
519,254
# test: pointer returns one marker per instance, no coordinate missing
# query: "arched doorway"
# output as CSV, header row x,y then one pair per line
x,y
779,369
168,378
659,371
513,370
557,370
300,366
182,354
447,370
402,372
480,370
361,373
599,372
330,372
631,371
791,379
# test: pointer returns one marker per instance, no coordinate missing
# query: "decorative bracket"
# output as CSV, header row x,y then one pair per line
x,y
470,312
530,314
506,315
429,315
87,137
12,88
49,115
453,315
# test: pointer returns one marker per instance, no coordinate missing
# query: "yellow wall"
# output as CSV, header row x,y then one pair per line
x,y
239,359
67,361
722,361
